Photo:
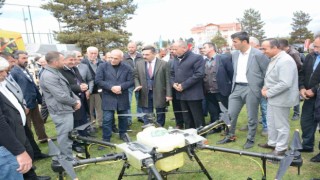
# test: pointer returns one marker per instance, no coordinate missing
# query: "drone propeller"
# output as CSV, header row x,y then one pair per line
x,y
84,126
67,165
224,116
290,155
129,115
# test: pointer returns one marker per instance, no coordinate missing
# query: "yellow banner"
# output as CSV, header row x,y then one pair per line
x,y
11,41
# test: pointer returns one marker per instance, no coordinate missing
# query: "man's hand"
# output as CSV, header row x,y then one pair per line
x,y
179,88
87,95
138,88
27,110
116,89
264,92
78,105
24,161
303,93
168,98
309,93
83,87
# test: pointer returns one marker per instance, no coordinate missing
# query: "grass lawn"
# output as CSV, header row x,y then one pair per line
x,y
221,166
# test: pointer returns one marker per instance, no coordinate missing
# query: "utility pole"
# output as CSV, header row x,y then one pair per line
x,y
34,39
25,25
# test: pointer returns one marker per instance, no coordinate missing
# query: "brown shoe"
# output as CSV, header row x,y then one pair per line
x,y
278,153
266,146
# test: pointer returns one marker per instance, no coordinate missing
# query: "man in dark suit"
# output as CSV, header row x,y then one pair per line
x,y
31,94
187,78
152,80
78,87
93,62
217,80
250,67
15,150
309,79
115,78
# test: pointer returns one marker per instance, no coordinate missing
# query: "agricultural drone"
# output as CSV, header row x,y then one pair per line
x,y
158,152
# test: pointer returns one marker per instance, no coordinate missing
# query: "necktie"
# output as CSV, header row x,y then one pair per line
x,y
150,70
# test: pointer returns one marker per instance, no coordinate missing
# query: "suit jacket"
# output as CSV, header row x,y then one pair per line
x,y
224,73
308,78
281,81
57,92
13,86
93,73
86,75
256,70
161,83
107,77
30,90
189,72
12,134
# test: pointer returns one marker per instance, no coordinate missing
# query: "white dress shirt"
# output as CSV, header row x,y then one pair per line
x,y
242,67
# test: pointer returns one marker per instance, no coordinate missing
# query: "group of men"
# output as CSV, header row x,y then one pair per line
x,y
77,89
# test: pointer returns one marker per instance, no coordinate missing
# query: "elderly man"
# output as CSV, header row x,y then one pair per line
x,y
92,61
115,78
186,78
16,152
281,90
61,101
152,81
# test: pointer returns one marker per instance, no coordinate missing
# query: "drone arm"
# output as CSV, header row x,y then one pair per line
x,y
93,141
111,157
210,126
150,165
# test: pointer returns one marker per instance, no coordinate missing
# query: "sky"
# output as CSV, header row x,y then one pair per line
x,y
171,19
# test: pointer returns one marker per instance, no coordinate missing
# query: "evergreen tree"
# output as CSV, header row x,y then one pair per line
x,y
252,24
1,4
299,26
219,41
92,22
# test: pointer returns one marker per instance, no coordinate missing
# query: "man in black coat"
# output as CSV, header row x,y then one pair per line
x,y
187,78
78,87
309,79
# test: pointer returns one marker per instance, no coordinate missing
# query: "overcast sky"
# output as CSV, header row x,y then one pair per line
x,y
172,19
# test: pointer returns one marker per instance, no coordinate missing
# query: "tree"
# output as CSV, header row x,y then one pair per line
x,y
218,40
1,4
92,22
252,23
299,26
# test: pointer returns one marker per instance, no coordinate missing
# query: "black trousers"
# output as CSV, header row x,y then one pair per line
x,y
176,105
194,117
308,123
213,100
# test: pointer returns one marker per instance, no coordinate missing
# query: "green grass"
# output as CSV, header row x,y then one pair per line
x,y
221,166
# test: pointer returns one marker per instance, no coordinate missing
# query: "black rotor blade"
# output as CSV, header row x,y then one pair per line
x,y
284,164
172,112
53,149
296,142
68,167
83,127
224,116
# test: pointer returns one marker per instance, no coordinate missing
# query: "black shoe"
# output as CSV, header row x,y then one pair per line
x,y
140,120
40,156
227,140
115,130
248,144
43,177
315,158
124,138
78,149
266,146
306,150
